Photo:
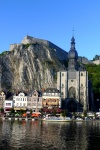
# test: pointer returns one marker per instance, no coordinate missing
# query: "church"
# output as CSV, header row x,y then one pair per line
x,y
73,83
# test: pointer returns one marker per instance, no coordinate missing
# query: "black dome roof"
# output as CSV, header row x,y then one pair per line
x,y
72,53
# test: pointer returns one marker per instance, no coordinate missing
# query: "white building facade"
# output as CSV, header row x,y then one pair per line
x,y
8,105
20,101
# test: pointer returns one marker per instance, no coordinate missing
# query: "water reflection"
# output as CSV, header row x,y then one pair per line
x,y
68,135
37,135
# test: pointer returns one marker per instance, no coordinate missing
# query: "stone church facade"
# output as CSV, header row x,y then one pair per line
x,y
73,83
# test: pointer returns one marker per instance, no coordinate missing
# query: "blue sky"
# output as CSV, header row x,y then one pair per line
x,y
52,20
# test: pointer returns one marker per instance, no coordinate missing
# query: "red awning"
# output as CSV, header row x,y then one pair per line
x,y
58,110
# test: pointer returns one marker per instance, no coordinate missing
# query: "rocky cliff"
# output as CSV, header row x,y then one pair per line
x,y
31,66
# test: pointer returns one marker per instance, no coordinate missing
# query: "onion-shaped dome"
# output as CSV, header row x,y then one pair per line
x,y
72,53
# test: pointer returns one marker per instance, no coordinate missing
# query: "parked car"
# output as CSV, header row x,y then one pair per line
x,y
78,118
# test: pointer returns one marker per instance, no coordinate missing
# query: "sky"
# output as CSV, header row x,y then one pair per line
x,y
52,20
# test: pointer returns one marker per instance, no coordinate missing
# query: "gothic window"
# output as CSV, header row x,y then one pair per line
x,y
71,80
81,74
72,92
81,85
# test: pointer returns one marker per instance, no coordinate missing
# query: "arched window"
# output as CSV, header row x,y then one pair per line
x,y
72,92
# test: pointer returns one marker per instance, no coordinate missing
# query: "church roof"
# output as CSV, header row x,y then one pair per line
x,y
51,90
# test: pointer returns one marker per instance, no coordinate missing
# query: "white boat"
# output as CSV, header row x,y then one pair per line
x,y
57,119
79,119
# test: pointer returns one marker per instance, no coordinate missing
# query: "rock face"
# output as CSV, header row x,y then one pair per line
x,y
31,66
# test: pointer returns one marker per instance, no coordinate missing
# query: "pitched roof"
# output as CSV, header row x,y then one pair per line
x,y
51,90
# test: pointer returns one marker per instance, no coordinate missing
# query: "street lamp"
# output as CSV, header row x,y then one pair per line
x,y
98,105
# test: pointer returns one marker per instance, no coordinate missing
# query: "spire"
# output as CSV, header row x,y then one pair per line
x,y
72,43
73,31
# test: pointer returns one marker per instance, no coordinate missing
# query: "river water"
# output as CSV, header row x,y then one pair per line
x,y
38,135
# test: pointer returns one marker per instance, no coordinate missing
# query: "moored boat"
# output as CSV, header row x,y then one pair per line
x,y
57,119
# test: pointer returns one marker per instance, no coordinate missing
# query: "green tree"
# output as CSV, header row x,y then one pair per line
x,y
2,110
94,76
54,112
64,113
12,110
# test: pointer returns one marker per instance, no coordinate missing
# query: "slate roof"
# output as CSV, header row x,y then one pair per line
x,y
51,90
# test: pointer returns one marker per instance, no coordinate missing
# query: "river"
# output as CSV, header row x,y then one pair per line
x,y
38,135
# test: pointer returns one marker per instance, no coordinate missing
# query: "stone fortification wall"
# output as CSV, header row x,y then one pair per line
x,y
27,40
97,62
62,55
60,52
84,60
30,40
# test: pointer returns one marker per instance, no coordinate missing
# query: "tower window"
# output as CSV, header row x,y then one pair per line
x,y
62,74
71,80
81,85
81,74
62,85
